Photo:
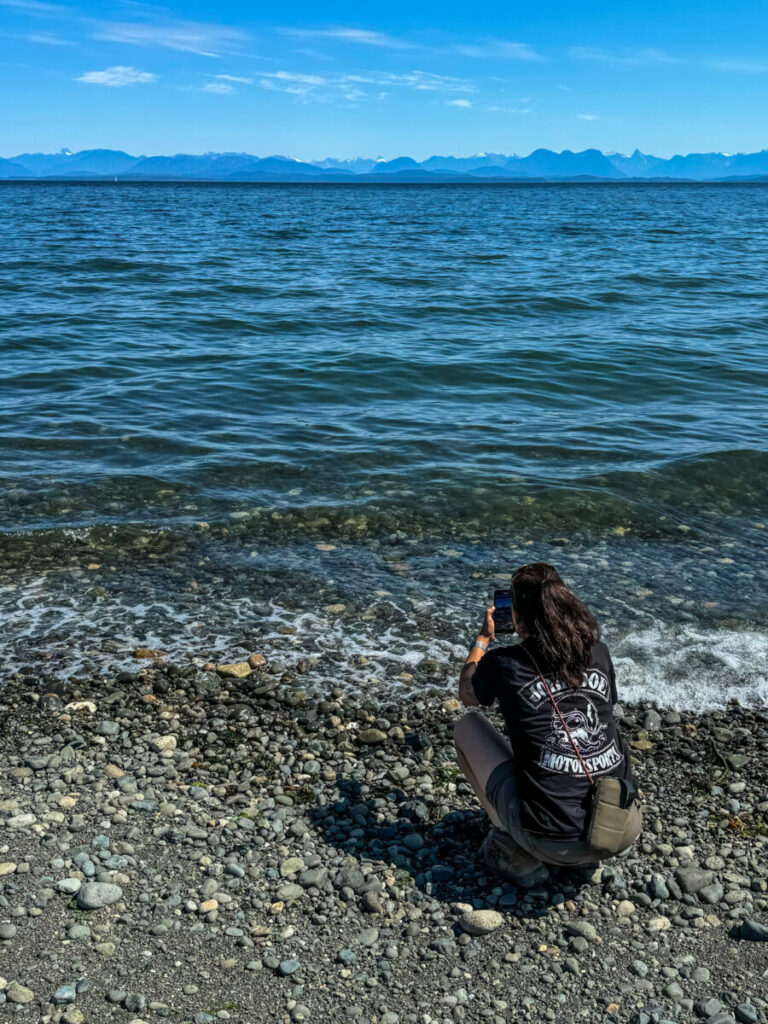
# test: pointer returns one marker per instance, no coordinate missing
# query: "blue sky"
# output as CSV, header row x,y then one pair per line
x,y
341,79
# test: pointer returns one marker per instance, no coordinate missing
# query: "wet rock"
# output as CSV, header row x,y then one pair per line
x,y
235,670
372,737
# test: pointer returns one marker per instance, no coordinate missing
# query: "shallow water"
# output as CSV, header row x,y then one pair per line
x,y
439,382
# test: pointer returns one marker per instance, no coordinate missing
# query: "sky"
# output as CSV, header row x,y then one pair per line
x,y
345,79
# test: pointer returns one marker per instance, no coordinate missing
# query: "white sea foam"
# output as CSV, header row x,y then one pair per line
x,y
673,665
687,667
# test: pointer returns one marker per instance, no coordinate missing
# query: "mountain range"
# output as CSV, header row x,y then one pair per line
x,y
540,165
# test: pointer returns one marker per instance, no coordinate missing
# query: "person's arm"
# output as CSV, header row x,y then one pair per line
x,y
476,654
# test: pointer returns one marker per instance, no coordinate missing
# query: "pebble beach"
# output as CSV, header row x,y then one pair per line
x,y
206,842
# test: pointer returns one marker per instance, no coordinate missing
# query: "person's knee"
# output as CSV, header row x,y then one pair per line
x,y
465,728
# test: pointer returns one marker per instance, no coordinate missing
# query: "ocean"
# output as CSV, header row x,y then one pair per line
x,y
323,422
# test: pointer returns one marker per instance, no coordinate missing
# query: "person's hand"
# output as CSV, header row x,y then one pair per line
x,y
488,630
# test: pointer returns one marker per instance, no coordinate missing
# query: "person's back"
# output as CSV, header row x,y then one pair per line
x,y
556,690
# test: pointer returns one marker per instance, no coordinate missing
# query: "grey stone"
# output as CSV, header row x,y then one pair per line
x,y
313,878
652,720
135,1002
692,879
711,894
746,1014
753,931
94,895
107,729
413,841
708,1007
673,992
352,878
657,888
288,967
64,994
290,891
69,886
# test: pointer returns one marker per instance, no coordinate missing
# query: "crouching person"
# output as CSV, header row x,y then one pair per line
x,y
559,789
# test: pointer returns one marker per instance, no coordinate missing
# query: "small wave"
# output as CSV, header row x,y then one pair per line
x,y
693,669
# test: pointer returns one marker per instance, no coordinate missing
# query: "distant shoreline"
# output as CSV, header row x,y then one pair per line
x,y
366,181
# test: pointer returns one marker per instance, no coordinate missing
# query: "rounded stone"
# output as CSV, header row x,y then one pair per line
x,y
288,967
94,895
69,886
65,994
480,922
19,994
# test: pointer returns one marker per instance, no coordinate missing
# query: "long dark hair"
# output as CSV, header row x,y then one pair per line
x,y
559,625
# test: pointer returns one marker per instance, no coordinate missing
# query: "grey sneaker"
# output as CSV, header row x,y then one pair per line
x,y
505,857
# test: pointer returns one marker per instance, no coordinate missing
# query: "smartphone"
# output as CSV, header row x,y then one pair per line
x,y
502,611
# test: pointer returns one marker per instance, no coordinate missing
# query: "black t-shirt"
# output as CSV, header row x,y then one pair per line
x,y
554,789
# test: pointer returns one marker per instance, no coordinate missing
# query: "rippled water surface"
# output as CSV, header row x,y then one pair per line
x,y
434,382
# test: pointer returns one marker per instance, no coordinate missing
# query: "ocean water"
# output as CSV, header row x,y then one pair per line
x,y
324,422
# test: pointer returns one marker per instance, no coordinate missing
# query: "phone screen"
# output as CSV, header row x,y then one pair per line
x,y
502,611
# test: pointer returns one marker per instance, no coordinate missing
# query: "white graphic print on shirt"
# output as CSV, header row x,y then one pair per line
x,y
600,754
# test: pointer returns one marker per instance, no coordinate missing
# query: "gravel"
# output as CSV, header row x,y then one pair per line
x,y
184,844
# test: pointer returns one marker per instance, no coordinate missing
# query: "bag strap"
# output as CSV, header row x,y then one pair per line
x,y
560,716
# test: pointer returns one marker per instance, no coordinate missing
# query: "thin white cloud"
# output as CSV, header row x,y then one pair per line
x,y
587,117
234,78
292,76
189,36
117,76
33,6
360,36
625,57
482,49
351,86
494,109
47,39
458,103
497,48
744,67
220,88
651,56
422,81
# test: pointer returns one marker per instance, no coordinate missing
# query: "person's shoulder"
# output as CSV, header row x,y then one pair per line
x,y
600,656
511,657
509,651
600,650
